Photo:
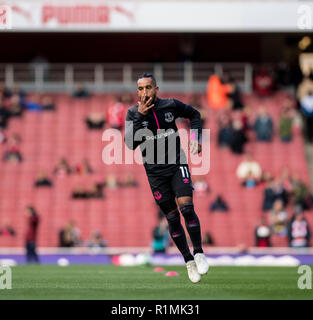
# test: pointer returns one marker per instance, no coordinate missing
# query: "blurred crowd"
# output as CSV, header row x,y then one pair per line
x,y
287,199
15,103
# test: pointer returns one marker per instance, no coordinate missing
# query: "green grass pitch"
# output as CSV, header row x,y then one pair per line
x,y
110,282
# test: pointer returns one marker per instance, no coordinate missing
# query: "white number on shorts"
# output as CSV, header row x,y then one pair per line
x,y
183,169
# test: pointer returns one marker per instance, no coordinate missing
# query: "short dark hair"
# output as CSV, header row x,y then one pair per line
x,y
148,75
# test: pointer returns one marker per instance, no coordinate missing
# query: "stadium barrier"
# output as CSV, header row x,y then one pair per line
x,y
110,77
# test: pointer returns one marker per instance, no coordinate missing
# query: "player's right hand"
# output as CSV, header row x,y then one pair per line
x,y
144,104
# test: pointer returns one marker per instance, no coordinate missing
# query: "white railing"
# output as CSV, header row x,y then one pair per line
x,y
116,76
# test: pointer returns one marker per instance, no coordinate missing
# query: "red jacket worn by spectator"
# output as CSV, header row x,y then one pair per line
x,y
263,83
32,227
116,115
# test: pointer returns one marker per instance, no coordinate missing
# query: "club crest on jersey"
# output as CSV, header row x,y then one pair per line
x,y
169,117
145,123
157,195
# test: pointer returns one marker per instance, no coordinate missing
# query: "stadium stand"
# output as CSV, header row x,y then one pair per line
x,y
127,216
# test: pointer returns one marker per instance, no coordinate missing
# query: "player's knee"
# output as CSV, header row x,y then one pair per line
x,y
189,214
187,209
184,200
168,206
173,217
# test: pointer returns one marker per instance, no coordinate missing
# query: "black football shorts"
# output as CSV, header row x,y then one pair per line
x,y
177,185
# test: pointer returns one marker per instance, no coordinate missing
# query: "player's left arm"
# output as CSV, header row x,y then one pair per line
x,y
188,112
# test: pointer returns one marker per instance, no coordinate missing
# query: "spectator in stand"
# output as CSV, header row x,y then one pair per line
x,y
280,191
80,193
250,181
42,180
224,90
273,191
278,218
200,186
161,241
238,137
304,88
268,197
47,103
219,204
285,125
225,130
263,82
306,104
96,191
31,234
16,90
249,169
66,237
95,120
129,181
111,182
300,193
263,126
96,241
245,116
4,91
13,153
299,231
116,114
266,178
80,92
16,106
62,168
286,180
262,234
69,236
34,103
3,138
4,115
7,229
234,95
83,168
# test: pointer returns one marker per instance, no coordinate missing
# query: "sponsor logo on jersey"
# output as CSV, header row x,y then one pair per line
x,y
161,134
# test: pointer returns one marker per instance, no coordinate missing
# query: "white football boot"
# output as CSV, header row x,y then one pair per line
x,y
202,263
193,273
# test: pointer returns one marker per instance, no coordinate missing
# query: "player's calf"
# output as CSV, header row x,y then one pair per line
x,y
178,235
193,226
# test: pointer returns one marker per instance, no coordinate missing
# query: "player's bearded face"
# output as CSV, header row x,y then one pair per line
x,y
147,89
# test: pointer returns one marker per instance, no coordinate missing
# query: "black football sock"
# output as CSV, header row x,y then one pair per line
x,y
178,235
193,226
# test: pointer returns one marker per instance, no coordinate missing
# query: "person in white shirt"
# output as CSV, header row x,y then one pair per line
x,y
248,168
